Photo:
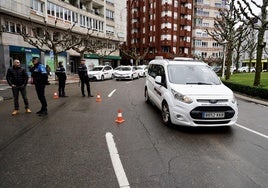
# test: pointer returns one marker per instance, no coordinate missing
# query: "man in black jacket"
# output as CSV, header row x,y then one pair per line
x,y
82,72
61,74
17,78
39,75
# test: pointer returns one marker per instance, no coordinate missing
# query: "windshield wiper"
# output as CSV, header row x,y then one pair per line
x,y
199,83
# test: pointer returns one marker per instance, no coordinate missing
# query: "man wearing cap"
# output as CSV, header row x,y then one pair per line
x,y
61,74
82,72
39,75
17,78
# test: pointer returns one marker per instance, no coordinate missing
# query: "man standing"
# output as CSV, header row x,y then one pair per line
x,y
17,78
40,77
61,74
82,72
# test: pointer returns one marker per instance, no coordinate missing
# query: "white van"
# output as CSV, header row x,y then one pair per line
x,y
189,93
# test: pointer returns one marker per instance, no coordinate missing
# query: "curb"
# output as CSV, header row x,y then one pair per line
x,y
250,99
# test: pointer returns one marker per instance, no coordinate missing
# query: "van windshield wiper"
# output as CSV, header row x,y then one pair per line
x,y
199,83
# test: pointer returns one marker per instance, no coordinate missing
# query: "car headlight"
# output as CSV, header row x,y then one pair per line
x,y
233,100
181,97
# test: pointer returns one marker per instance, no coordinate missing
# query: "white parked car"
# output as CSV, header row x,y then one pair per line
x,y
189,93
101,73
126,72
245,69
142,70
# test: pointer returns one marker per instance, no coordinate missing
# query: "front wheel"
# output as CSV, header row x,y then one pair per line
x,y
166,114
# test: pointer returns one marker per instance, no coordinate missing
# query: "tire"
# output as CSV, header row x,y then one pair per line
x,y
102,77
146,96
166,114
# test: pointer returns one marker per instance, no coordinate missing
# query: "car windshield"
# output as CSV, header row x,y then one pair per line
x,y
97,68
192,74
125,68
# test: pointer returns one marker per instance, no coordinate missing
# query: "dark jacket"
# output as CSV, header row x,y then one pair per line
x,y
39,74
60,72
17,76
82,72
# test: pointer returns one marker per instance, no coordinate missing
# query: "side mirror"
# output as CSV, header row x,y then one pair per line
x,y
158,80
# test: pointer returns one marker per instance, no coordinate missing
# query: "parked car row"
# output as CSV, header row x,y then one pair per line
x,y
103,72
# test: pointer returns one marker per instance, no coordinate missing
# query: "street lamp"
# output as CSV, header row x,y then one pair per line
x,y
224,57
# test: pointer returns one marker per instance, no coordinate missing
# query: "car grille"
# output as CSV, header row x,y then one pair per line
x,y
198,114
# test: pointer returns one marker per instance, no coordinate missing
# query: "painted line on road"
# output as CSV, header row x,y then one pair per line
x,y
111,94
260,134
118,167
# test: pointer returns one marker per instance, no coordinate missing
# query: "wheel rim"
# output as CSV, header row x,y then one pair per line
x,y
165,113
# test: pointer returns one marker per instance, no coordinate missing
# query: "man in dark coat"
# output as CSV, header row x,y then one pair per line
x,y
61,74
82,72
39,75
17,78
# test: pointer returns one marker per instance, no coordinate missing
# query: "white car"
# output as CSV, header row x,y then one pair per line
x,y
126,72
189,93
142,70
101,73
246,69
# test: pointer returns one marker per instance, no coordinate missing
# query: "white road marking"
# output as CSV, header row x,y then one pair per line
x,y
118,167
260,134
129,82
111,94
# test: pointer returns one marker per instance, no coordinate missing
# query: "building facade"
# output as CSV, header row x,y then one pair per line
x,y
205,11
160,28
97,17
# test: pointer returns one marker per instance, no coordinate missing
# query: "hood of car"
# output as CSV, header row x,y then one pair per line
x,y
202,90
94,72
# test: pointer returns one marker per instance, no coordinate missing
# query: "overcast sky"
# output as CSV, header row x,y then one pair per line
x,y
253,7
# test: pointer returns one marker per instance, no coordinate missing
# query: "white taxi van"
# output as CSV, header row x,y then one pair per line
x,y
189,93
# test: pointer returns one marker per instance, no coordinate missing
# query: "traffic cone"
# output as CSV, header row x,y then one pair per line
x,y
119,118
98,99
55,96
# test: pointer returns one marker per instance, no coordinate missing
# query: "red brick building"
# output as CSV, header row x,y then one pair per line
x,y
161,27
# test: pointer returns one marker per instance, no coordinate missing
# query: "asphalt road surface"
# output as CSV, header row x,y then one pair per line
x,y
79,144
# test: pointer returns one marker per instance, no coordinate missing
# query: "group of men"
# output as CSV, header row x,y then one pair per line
x,y
17,78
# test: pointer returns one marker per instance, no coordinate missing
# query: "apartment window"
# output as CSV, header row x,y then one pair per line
x,y
18,28
199,1
12,27
109,14
167,1
109,29
37,5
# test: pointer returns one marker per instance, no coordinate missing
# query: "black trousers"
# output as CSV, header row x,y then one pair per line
x,y
83,83
40,90
16,91
61,88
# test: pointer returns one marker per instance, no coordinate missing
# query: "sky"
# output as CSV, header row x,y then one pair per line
x,y
253,7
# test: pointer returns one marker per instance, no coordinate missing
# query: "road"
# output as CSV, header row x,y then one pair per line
x,y
79,144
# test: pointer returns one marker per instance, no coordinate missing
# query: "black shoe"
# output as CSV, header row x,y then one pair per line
x,y
83,95
39,112
44,113
64,96
90,95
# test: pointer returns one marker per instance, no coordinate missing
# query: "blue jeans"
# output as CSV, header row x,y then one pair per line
x,y
16,91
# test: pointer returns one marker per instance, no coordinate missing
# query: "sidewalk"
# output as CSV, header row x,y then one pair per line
x,y
6,93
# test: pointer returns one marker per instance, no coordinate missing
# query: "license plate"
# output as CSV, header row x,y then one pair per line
x,y
213,115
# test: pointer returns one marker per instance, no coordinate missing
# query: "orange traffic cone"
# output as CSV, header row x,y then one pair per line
x,y
55,96
98,99
119,118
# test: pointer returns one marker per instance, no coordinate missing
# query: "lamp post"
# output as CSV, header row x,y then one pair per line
x,y
224,58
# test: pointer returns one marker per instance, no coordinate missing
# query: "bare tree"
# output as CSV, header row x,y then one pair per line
x,y
45,38
225,33
258,23
241,33
134,53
